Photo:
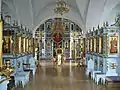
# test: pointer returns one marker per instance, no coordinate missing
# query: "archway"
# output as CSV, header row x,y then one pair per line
x,y
70,39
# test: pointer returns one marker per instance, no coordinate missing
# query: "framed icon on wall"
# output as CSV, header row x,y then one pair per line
x,y
113,44
94,44
91,44
100,45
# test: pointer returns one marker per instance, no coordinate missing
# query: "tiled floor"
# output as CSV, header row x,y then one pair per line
x,y
62,78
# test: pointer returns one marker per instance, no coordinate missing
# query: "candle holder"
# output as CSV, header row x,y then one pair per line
x,y
7,70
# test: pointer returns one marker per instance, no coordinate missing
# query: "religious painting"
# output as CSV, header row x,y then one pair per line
x,y
77,48
100,44
94,44
48,43
48,46
72,45
48,26
41,34
91,44
114,44
66,26
24,45
20,44
6,44
43,43
97,44
88,44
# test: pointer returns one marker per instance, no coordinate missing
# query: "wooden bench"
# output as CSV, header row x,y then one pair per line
x,y
112,81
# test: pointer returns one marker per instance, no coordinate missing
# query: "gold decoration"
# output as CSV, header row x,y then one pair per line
x,y
7,70
59,51
58,27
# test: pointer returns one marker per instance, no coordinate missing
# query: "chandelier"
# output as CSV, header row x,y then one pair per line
x,y
61,7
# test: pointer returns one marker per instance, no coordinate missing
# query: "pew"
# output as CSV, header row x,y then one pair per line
x,y
112,81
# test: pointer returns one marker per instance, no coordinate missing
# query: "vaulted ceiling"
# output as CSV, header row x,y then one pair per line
x,y
86,13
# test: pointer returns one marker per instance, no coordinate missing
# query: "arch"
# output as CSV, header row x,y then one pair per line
x,y
110,12
9,7
48,12
42,21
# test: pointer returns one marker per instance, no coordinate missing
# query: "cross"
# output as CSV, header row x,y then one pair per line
x,y
113,65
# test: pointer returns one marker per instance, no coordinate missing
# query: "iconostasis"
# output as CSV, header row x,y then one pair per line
x,y
58,32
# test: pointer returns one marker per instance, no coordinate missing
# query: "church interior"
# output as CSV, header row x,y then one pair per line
x,y
60,45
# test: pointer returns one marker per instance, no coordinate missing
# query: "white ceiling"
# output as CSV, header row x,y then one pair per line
x,y
86,13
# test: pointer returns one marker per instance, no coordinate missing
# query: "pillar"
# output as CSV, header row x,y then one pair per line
x,y
20,45
1,42
1,36
44,40
27,39
70,42
52,46
24,46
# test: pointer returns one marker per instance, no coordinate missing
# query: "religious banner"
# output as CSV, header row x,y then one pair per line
x,y
114,44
